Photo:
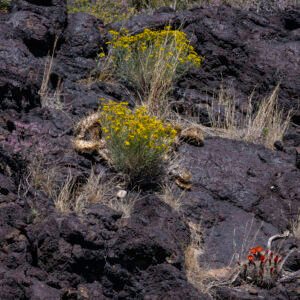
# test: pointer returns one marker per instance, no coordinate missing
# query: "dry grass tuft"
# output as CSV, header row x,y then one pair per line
x,y
42,177
202,276
99,189
265,125
195,274
64,199
106,10
168,196
296,227
49,98
72,196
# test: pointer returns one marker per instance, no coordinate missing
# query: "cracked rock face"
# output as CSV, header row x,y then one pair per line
x,y
241,193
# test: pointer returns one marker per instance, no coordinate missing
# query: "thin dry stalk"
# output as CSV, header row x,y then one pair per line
x,y
200,277
296,227
42,177
48,98
64,200
268,125
223,112
95,190
249,239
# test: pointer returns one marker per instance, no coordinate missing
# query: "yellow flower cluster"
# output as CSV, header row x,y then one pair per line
x,y
171,43
132,130
136,141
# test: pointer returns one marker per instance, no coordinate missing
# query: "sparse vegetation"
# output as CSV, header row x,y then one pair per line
x,y
154,4
113,11
42,177
100,189
169,196
64,200
296,226
263,125
107,11
4,5
255,4
197,275
151,61
136,141
50,98
74,196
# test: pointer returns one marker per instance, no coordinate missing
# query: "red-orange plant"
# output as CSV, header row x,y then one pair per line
x,y
262,267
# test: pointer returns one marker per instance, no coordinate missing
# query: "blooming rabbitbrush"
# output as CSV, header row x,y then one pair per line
x,y
136,140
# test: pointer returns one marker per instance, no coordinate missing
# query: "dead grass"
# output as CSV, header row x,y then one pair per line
x,y
49,98
168,196
64,199
74,196
265,125
296,227
112,11
257,5
199,276
42,177
106,10
99,189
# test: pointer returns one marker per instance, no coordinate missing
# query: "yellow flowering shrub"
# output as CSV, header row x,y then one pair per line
x,y
150,61
136,141
106,10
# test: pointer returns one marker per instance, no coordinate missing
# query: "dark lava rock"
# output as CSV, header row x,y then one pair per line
x,y
163,230
153,235
82,37
240,193
38,23
28,32
19,76
82,42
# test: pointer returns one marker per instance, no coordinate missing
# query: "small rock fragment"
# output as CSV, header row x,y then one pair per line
x,y
121,194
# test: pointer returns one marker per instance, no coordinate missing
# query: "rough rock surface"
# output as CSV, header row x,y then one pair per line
x,y
239,189
241,193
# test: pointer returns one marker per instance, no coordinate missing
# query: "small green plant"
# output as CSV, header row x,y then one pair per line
x,y
107,11
136,141
4,5
150,61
